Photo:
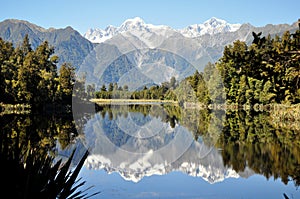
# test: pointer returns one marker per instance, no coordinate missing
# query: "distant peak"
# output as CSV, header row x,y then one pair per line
x,y
135,19
137,25
132,22
215,21
210,26
110,27
69,28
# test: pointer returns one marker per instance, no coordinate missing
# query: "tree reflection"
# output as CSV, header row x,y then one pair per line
x,y
246,139
28,169
253,141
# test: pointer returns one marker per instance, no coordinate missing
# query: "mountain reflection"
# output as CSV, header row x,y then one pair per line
x,y
143,140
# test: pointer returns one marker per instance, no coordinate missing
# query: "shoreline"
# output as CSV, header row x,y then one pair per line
x,y
133,101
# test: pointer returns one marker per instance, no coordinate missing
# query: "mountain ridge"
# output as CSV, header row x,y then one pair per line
x,y
69,44
137,40
210,26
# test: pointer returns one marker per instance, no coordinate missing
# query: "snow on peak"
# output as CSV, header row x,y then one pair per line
x,y
136,20
98,36
133,24
130,25
138,26
214,22
137,170
211,26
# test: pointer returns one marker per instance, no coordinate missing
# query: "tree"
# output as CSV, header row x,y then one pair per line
x,y
110,87
8,71
103,88
173,82
90,91
26,46
66,81
267,71
115,86
125,87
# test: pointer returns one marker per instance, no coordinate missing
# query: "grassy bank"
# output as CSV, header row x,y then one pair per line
x,y
133,101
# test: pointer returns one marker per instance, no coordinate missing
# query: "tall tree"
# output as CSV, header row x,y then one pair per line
x,y
66,81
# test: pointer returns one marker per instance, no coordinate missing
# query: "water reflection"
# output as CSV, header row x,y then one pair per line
x,y
27,155
149,148
148,140
254,141
139,140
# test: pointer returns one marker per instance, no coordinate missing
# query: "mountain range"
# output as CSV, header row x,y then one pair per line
x,y
137,53
139,28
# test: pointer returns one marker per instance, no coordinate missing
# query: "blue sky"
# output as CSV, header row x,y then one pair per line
x,y
84,14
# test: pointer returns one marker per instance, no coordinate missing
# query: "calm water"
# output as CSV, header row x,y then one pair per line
x,y
155,151
164,152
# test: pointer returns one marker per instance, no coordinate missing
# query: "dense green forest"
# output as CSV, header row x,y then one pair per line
x,y
257,142
31,77
266,71
163,92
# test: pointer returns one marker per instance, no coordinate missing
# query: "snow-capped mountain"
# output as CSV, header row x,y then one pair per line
x,y
135,26
99,36
137,53
139,28
211,26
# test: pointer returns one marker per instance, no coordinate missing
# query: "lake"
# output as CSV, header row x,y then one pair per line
x,y
155,151
164,151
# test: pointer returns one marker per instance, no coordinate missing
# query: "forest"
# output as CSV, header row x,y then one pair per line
x,y
31,77
267,71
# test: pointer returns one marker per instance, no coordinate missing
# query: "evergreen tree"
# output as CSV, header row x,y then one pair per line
x,y
66,81
267,71
110,87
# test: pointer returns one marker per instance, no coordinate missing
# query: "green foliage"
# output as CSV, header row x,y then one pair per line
x,y
66,81
28,167
164,91
30,76
207,86
266,71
